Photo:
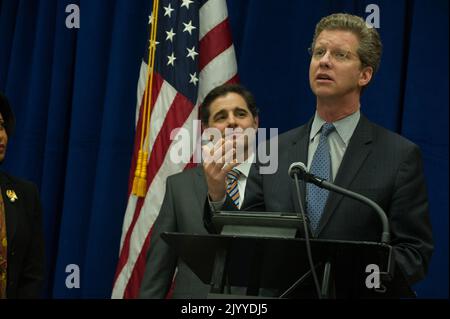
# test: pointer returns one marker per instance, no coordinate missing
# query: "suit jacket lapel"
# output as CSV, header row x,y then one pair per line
x,y
253,198
357,151
11,213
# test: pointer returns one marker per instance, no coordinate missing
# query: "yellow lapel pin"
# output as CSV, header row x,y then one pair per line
x,y
11,195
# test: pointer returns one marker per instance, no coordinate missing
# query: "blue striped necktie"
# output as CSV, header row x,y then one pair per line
x,y
316,197
232,186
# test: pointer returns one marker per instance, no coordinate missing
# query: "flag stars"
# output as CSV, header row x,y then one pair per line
x,y
150,18
191,53
170,35
194,78
168,11
171,59
188,27
186,3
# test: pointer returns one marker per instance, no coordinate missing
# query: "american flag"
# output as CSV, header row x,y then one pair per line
x,y
194,54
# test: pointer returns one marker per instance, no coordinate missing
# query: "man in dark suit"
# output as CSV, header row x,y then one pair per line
x,y
341,145
21,236
225,107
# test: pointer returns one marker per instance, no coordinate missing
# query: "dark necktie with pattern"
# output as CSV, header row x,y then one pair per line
x,y
321,166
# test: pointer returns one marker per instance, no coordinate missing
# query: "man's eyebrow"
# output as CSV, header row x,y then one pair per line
x,y
220,111
236,108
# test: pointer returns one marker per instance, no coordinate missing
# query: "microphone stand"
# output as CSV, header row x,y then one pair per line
x,y
298,170
319,182
322,183
308,247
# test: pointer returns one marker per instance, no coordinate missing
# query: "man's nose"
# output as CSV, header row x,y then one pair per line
x,y
231,121
325,61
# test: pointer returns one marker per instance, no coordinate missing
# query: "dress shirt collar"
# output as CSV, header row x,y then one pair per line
x,y
344,127
244,167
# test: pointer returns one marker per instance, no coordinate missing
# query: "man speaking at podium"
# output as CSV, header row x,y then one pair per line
x,y
341,145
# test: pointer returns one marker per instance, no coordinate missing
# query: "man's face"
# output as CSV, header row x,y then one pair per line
x,y
3,139
231,111
230,115
335,70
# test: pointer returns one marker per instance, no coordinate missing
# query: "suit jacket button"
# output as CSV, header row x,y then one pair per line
x,y
13,252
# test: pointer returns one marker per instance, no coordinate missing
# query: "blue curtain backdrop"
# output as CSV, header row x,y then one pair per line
x,y
74,95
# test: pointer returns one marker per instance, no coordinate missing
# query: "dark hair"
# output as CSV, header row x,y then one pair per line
x,y
7,114
223,90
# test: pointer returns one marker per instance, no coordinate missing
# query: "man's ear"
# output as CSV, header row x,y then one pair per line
x,y
365,76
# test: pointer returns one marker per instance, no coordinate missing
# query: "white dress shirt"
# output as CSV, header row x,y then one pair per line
x,y
244,169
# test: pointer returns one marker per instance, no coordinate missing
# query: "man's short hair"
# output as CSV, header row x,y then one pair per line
x,y
7,114
223,90
370,47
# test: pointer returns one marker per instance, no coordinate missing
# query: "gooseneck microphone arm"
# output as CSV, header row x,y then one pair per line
x,y
300,169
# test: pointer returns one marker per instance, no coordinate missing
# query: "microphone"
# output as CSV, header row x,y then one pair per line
x,y
299,169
